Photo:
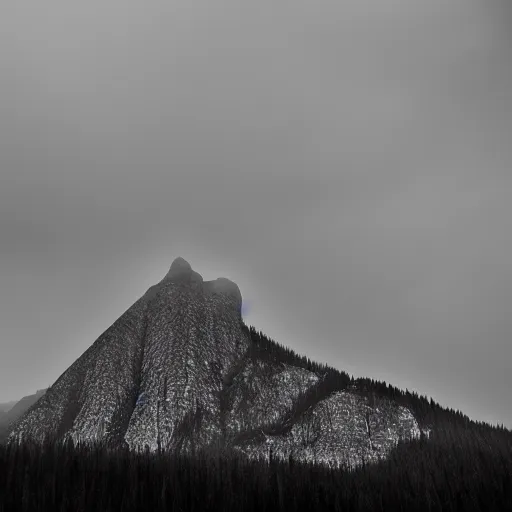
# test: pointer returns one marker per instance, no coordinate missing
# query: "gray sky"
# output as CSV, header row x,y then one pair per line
x,y
347,164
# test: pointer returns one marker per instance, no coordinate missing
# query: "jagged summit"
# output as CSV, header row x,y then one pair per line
x,y
226,287
180,265
182,271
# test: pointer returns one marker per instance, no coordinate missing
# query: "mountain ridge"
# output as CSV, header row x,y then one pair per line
x,y
13,410
180,369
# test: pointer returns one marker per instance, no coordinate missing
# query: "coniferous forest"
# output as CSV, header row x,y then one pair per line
x,y
453,471
462,465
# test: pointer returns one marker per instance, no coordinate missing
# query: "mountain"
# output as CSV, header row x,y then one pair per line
x,y
180,369
11,411
4,407
24,404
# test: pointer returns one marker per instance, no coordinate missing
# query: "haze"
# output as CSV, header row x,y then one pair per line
x,y
347,164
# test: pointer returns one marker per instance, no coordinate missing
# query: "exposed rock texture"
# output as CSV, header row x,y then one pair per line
x,y
176,370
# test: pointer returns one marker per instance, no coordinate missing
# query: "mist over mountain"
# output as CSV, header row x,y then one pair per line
x,y
4,407
11,411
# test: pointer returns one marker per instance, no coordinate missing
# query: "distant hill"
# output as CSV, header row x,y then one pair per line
x,y
11,411
6,406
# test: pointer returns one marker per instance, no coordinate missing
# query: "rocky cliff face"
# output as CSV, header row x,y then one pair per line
x,y
177,370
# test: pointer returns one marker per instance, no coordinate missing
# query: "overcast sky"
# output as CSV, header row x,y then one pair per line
x,y
346,163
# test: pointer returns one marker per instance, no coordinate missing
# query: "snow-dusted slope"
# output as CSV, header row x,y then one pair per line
x,y
176,370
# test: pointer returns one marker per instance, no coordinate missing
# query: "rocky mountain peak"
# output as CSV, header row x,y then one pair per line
x,y
182,271
179,369
227,287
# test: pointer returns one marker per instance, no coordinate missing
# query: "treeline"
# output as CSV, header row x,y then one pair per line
x,y
462,466
453,472
429,414
265,348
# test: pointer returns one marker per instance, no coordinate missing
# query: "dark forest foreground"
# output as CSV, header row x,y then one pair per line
x,y
456,469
